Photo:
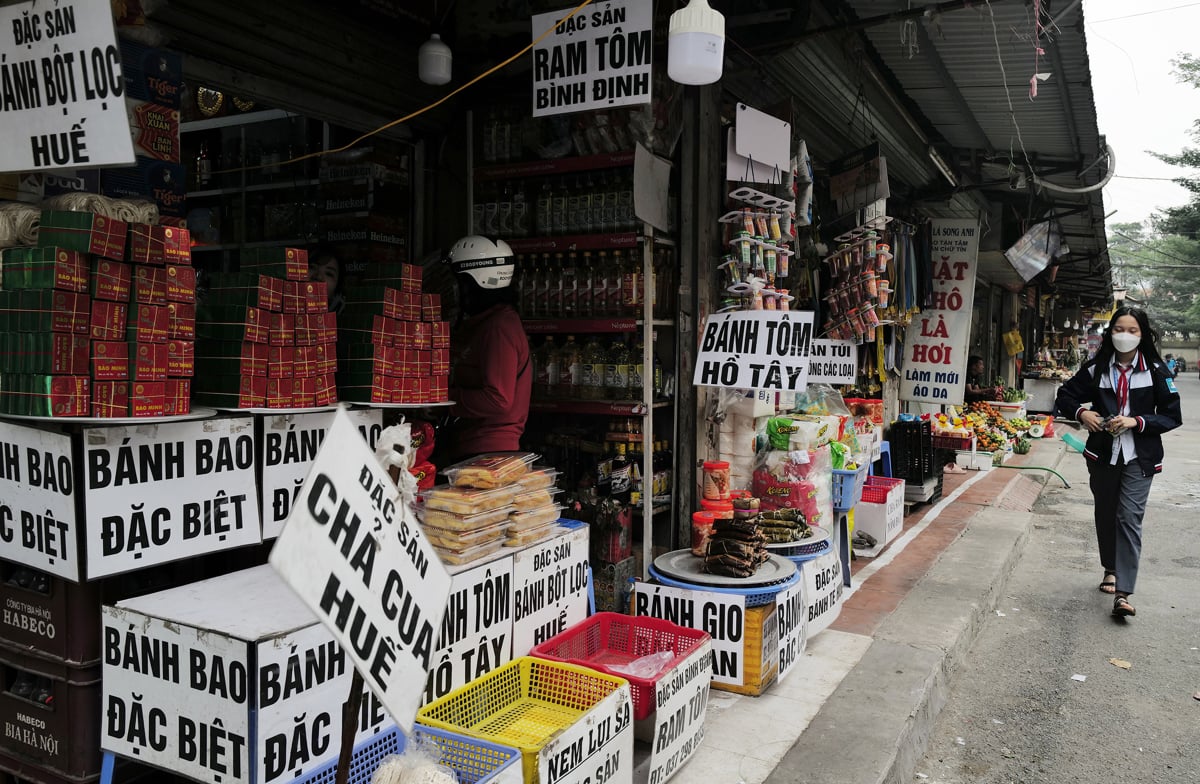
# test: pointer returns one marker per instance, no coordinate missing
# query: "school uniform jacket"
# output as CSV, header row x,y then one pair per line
x,y
1153,402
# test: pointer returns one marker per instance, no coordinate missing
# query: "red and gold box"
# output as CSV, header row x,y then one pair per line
x,y
110,361
48,268
256,291
61,395
308,329
283,329
147,398
148,361
414,334
391,302
325,393
304,392
304,361
178,396
439,332
410,278
109,319
181,358
280,361
328,328
410,306
149,285
85,232
279,393
439,363
284,263
326,358
159,245
147,324
63,353
110,398
181,283
405,363
111,280
439,389
293,296
51,311
316,297
431,307
181,321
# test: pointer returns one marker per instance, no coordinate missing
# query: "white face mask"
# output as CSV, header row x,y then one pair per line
x,y
1125,341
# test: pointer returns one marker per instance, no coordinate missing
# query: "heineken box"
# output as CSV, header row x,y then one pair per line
x,y
42,310
286,263
439,332
249,289
431,307
111,280
280,361
44,268
147,398
279,393
177,398
147,324
181,320
110,398
230,391
58,395
232,322
181,283
159,245
181,359
85,232
148,361
150,285
110,361
282,329
226,358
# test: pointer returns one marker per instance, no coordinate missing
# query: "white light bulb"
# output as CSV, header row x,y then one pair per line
x,y
434,61
696,44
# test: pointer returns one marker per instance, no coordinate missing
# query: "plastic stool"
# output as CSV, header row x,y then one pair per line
x,y
885,459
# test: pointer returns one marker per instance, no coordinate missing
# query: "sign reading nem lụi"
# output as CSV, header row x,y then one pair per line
x,y
62,93
599,58
935,361
755,349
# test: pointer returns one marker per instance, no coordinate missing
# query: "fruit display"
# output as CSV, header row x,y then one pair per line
x,y
1022,446
1020,423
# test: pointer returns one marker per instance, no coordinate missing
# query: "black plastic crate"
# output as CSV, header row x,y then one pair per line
x,y
51,714
913,455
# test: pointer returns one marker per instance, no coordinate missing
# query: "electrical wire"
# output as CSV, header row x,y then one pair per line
x,y
1145,13
1151,248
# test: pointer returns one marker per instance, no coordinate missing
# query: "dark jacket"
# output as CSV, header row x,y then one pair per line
x,y
1153,402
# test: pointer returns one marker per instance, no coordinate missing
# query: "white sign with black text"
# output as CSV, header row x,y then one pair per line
x,y
722,615
37,501
824,585
158,493
550,582
596,749
680,700
62,92
832,362
289,445
599,58
791,613
353,552
756,349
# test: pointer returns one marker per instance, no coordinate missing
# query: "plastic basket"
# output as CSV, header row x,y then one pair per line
x,y
475,761
847,487
875,491
524,704
951,442
806,549
608,639
756,595
912,450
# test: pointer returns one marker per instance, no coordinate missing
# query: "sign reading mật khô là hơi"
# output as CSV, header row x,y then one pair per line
x,y
62,91
755,349
599,58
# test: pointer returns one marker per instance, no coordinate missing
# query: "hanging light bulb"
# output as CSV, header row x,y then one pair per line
x,y
434,61
696,44
1067,324
1076,326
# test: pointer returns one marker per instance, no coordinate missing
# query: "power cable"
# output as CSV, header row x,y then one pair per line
x,y
1144,13
1151,248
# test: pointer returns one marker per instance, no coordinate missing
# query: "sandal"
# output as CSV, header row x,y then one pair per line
x,y
1108,585
1122,608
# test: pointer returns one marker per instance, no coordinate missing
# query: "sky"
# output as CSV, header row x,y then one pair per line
x,y
1140,105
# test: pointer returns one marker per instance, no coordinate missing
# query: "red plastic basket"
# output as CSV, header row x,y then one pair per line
x,y
875,491
607,639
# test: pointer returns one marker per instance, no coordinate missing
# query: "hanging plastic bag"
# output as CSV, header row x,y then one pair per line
x,y
645,667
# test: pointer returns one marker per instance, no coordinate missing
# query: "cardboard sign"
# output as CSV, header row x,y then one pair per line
x,y
822,577
158,493
935,362
755,349
596,748
62,104
550,583
791,613
37,501
832,362
722,615
597,59
680,700
477,629
289,445
353,552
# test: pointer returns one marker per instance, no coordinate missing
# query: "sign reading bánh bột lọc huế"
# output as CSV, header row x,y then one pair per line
x,y
62,92
755,349
598,59
37,501
550,581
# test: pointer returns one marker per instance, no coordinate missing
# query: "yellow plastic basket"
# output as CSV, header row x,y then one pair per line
x,y
524,704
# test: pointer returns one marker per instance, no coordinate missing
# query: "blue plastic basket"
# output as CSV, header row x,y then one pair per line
x,y
756,595
475,761
847,487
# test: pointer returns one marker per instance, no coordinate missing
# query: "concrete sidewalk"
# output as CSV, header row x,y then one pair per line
x,y
861,705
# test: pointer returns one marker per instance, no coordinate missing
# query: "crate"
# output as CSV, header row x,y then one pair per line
x,y
608,639
524,704
913,457
880,513
847,487
62,622
60,734
952,442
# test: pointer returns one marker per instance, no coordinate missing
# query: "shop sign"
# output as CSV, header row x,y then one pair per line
x,y
935,347
791,612
477,629
755,349
722,615
832,362
37,501
289,445
158,493
598,59
596,748
550,582
822,577
680,700
353,552
62,92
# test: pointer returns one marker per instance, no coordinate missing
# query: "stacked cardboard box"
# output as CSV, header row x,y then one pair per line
x,y
95,320
398,348
266,336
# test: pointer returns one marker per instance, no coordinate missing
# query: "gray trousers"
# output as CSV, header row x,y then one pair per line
x,y
1120,493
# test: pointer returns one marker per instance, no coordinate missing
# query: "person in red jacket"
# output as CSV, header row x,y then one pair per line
x,y
490,375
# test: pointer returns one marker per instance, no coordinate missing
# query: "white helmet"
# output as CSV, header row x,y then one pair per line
x,y
488,262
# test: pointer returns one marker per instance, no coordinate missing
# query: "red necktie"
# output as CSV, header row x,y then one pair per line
x,y
1123,389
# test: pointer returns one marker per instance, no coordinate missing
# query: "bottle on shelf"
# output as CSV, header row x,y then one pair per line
x,y
570,284
546,372
554,281
587,215
629,286
203,167
491,211
585,286
545,286
604,468
543,219
626,218
595,367
637,373
504,211
601,285
620,476
616,377
607,195
570,370
573,197
561,208
656,368
489,135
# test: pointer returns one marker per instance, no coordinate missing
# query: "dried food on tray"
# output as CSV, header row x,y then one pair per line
x,y
470,555
491,470
532,536
439,518
525,502
468,501
538,478
461,540
534,518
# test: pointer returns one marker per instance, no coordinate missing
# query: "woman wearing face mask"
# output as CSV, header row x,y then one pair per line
x,y
1133,402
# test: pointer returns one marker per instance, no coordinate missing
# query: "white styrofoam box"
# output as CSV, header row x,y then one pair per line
x,y
756,403
882,521
194,675
977,461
